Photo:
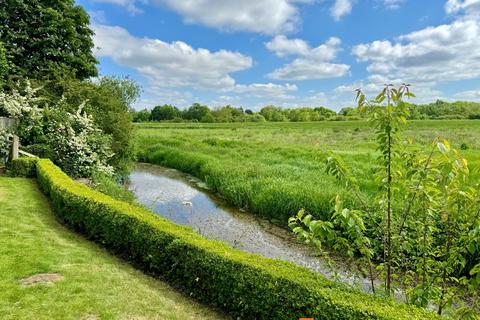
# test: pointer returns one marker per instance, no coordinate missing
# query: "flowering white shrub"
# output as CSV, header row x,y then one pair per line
x,y
72,139
80,148
21,105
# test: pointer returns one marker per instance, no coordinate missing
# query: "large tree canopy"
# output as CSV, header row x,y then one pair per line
x,y
44,38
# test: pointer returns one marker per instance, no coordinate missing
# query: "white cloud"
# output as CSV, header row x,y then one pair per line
x,y
131,5
266,90
263,16
312,63
314,99
429,57
170,68
154,96
302,69
369,89
340,8
97,16
468,6
434,54
285,47
393,4
173,64
256,95
470,95
375,83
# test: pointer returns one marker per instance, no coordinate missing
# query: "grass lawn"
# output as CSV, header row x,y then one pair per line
x,y
94,284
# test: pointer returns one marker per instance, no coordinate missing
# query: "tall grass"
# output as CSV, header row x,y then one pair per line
x,y
275,169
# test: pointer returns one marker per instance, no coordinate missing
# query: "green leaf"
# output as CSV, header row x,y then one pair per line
x,y
443,148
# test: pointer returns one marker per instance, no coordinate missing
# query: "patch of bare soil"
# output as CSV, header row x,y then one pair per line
x,y
41,278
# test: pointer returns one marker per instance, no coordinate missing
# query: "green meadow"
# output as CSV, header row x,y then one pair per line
x,y
275,169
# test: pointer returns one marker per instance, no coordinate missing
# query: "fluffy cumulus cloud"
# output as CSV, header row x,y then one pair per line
x,y
340,8
266,90
282,46
173,64
429,57
311,63
467,6
257,95
375,83
263,16
156,95
174,69
442,53
471,95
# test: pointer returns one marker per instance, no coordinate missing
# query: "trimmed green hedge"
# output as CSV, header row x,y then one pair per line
x,y
22,167
244,285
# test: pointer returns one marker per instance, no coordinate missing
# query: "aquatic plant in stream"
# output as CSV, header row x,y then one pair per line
x,y
423,230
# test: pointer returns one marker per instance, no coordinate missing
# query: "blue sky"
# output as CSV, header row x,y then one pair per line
x,y
290,53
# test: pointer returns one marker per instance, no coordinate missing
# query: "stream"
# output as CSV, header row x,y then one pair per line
x,y
186,200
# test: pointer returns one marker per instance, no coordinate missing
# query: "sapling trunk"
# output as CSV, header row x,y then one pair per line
x,y
370,267
444,273
389,217
388,246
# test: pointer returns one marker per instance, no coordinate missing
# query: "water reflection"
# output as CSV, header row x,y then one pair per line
x,y
185,200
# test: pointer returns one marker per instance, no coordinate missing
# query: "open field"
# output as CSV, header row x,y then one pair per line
x,y
275,169
95,284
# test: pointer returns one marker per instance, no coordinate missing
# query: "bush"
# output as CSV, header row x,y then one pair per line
x,y
109,100
70,138
245,285
22,167
257,118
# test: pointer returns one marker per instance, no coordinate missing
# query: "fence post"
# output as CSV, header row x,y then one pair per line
x,y
14,148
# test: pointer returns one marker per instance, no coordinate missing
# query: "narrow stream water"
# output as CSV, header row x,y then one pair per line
x,y
187,201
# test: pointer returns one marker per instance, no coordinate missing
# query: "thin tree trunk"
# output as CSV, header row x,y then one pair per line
x,y
389,216
371,276
444,275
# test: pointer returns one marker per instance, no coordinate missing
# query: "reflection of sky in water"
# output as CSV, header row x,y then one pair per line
x,y
174,199
172,195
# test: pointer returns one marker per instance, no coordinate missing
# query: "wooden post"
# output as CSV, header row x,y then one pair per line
x,y
14,148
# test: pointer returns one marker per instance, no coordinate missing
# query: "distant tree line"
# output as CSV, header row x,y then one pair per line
x,y
201,113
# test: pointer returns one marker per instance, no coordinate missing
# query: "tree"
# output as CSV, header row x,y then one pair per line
x,y
273,113
196,112
228,114
348,111
3,63
299,115
47,38
325,112
165,112
141,116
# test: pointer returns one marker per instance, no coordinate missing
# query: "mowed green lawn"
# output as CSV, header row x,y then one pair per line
x,y
95,285
275,169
